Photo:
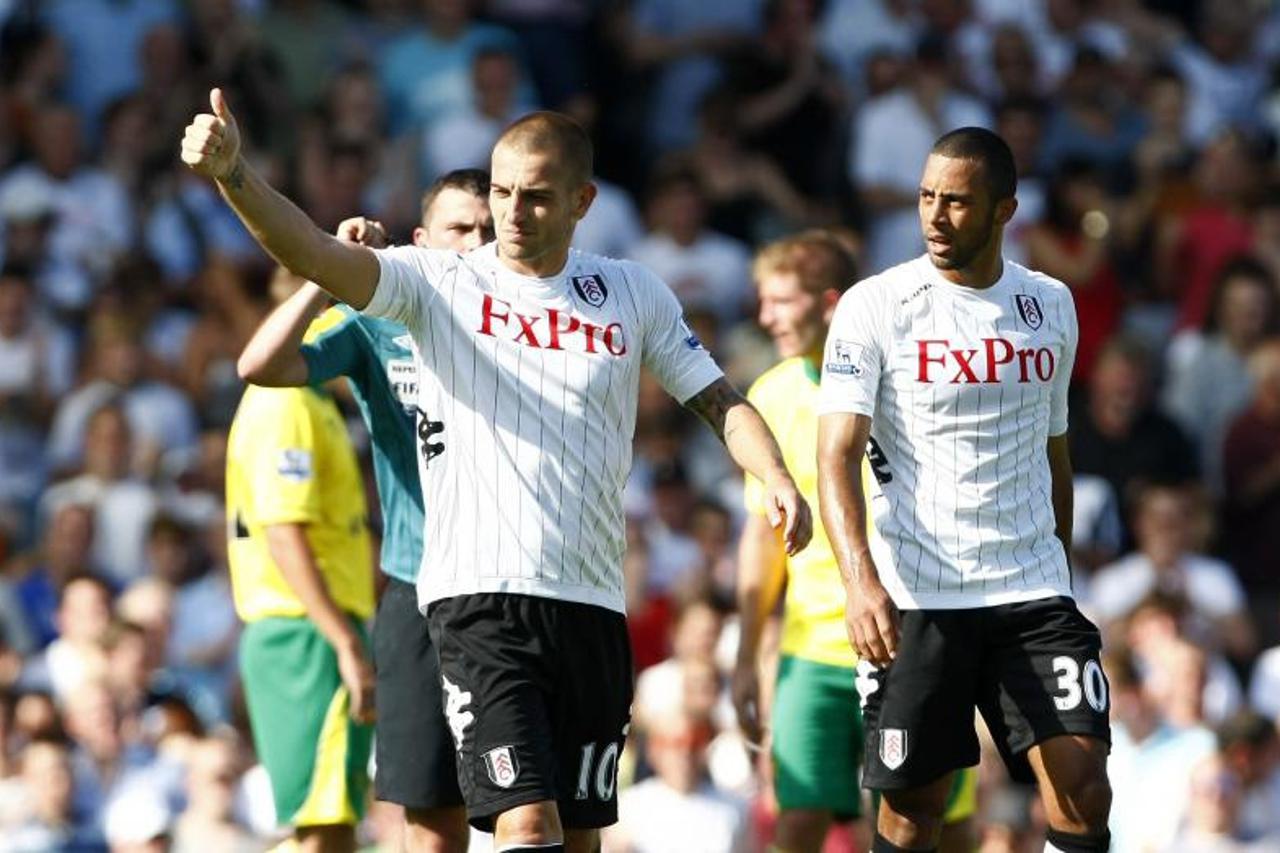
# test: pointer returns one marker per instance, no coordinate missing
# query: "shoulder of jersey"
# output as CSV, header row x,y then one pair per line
x,y
1035,278
901,278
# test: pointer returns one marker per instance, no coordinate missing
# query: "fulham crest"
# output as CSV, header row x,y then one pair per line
x,y
591,288
1029,310
502,766
893,747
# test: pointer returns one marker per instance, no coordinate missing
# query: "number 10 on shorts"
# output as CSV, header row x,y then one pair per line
x,y
603,773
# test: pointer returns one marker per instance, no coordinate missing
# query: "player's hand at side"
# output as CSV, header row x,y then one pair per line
x,y
746,701
357,676
786,508
211,143
871,619
366,232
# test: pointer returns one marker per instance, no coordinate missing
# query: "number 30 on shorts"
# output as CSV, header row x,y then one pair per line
x,y
1074,685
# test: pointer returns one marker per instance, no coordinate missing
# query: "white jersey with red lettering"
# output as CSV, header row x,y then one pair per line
x,y
964,387
527,408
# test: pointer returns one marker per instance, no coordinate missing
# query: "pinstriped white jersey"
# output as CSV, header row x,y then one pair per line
x,y
527,408
964,388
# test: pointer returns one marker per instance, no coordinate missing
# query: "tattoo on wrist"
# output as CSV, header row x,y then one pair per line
x,y
713,403
235,178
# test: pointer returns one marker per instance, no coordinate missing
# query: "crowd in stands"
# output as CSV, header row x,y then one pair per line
x,y
1145,135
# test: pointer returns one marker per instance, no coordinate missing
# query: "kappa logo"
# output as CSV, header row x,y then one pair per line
x,y
591,288
502,766
1029,310
893,747
866,681
456,701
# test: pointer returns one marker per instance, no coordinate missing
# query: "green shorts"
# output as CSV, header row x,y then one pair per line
x,y
317,758
817,738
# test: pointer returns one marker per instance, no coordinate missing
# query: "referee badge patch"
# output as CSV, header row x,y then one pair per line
x,y
893,747
502,766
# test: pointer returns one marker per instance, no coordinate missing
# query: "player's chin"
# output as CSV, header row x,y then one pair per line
x,y
943,261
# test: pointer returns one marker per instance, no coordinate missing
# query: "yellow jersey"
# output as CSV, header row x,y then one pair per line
x,y
290,461
813,612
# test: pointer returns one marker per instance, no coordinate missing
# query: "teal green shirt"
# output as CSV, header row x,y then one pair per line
x,y
377,357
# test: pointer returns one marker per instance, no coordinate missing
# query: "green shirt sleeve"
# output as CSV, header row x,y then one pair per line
x,y
330,348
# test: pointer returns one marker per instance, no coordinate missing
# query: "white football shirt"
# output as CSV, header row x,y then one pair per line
x,y
964,388
527,409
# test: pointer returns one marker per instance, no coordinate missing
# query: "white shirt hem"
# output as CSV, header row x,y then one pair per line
x,y
428,593
969,601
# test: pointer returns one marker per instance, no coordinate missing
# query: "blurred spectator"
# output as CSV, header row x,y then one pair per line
x,y
53,822
1117,434
892,135
1226,77
683,43
1251,474
1093,120
427,74
159,416
1193,247
705,269
1020,122
552,33
1250,748
1207,382
77,656
28,216
790,100
208,823
123,506
103,38
310,39
851,32
137,822
1212,818
64,551
661,689
37,358
95,217
1096,530
1150,760
1074,244
612,224
1165,529
463,138
188,226
678,796
1164,147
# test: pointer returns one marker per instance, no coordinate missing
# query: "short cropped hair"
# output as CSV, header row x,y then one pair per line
x,y
988,149
818,257
474,181
543,130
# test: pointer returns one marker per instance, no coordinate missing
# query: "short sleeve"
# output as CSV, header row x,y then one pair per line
x,y
1062,377
408,278
282,468
670,348
329,349
853,359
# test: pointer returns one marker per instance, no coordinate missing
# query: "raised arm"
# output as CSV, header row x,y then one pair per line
x,y
871,620
211,147
752,446
273,356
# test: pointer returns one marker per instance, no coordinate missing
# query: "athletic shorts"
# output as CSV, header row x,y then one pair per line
x,y
537,694
415,760
817,738
316,756
1030,668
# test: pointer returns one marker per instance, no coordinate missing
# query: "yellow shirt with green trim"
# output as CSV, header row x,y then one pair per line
x,y
290,461
813,613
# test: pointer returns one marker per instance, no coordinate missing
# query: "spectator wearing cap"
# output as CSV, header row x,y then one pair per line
x,y
892,136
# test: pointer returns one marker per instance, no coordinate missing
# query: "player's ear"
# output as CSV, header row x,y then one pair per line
x,y
420,237
830,299
1005,208
582,203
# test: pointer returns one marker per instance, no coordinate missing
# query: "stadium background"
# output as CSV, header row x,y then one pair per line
x,y
1145,135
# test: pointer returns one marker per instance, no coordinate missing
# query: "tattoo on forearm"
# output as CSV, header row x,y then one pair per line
x,y
235,178
713,403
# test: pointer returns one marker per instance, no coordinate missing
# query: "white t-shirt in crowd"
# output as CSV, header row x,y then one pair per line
x,y
964,388
527,408
1210,585
655,818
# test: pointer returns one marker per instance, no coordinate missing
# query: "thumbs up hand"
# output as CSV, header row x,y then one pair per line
x,y
211,144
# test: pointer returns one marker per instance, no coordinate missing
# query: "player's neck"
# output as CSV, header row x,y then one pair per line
x,y
543,266
985,271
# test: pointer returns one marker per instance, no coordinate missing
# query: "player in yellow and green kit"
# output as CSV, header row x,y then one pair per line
x,y
302,578
817,738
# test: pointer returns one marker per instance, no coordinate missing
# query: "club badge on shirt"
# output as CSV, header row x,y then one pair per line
x,y
591,288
